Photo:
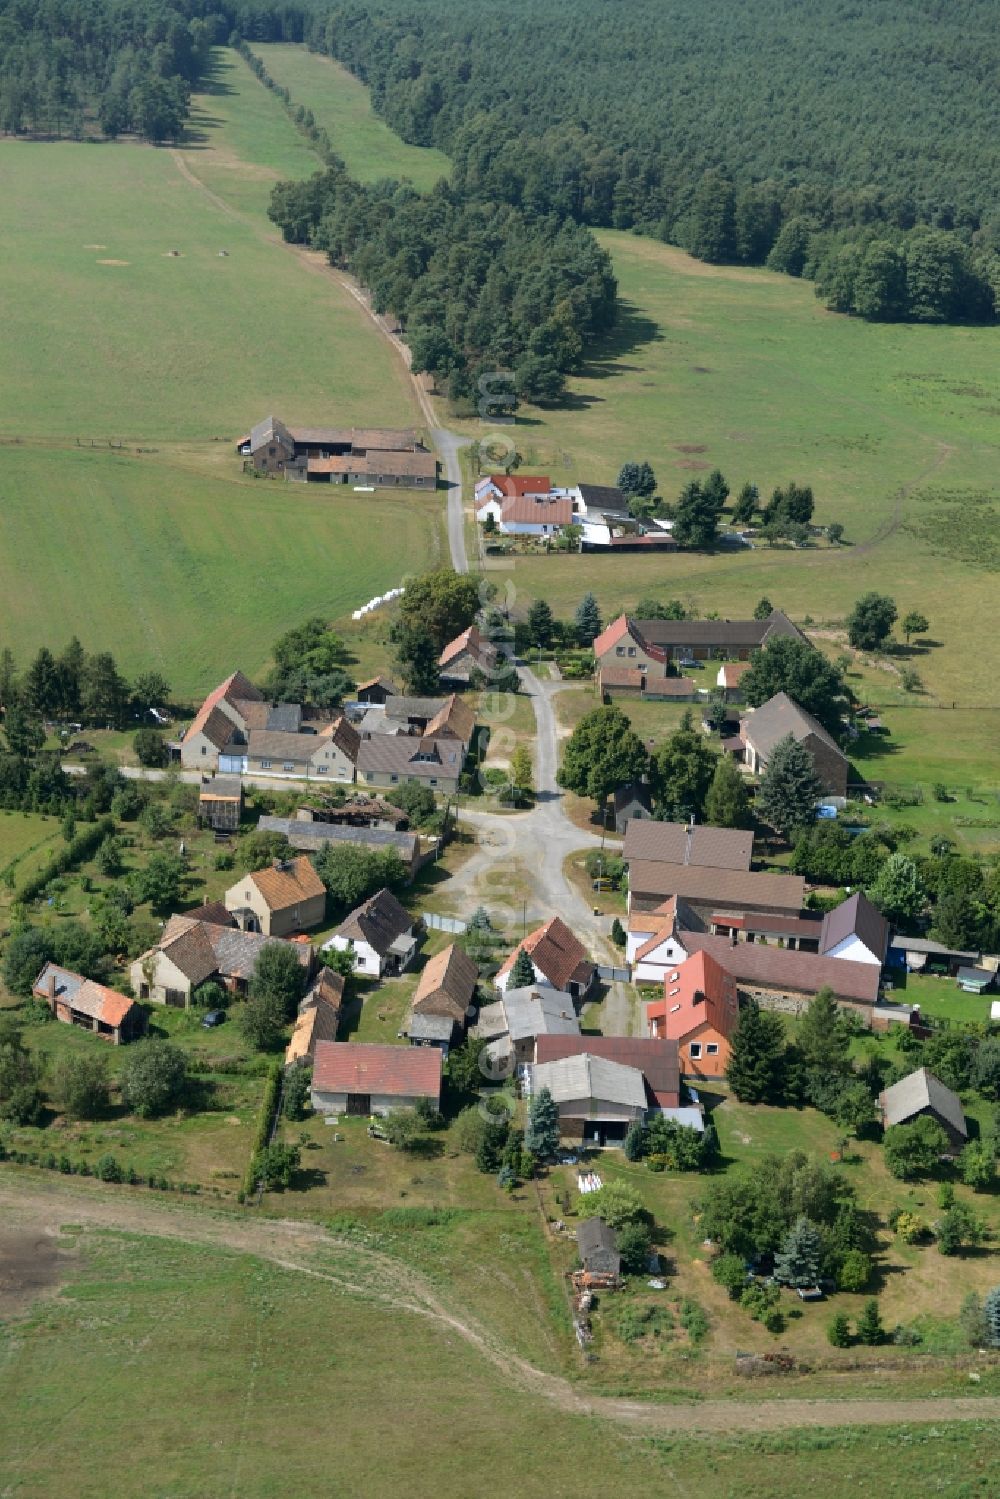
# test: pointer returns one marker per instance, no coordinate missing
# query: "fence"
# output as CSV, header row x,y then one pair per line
x,y
444,923
613,975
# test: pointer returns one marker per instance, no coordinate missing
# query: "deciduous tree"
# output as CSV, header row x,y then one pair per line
x,y
870,622
602,752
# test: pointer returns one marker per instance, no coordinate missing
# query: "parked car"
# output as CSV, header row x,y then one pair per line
x,y
212,1019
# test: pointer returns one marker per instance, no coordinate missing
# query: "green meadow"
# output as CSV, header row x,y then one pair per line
x,y
341,105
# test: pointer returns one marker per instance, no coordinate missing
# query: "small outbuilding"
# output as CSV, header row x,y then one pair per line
x,y
360,1078
597,1246
220,803
974,980
921,1093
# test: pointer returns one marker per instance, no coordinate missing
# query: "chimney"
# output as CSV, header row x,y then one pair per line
x,y
52,986
732,938
688,835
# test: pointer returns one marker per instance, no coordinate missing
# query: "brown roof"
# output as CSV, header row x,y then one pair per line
x,y
83,995
447,984
411,758
327,988
378,921
756,964
455,719
722,887
656,1059
679,843
484,651
556,953
670,687
286,883
524,510
254,714
214,911
318,1023
622,676
393,1071
732,672
855,917
234,688
780,716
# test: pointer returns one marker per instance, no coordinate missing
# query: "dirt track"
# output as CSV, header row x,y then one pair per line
x,y
30,1206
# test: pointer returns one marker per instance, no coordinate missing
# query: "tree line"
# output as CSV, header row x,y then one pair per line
x,y
670,121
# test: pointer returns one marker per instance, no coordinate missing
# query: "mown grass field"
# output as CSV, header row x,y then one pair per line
x,y
169,557
341,105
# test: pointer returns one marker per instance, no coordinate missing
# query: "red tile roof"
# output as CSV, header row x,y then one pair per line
x,y
556,953
702,993
611,635
387,1071
233,688
514,485
523,510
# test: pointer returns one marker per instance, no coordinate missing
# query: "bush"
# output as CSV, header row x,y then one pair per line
x,y
108,1169
275,1165
80,1085
855,1271
908,1227
617,1204
759,1300
694,1319
154,1077
297,1085
730,1271
634,1246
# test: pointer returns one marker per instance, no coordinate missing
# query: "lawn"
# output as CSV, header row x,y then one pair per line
x,y
341,105
146,1320
25,838
894,426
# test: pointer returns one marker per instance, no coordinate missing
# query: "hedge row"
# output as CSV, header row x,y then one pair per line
x,y
77,851
265,1124
107,1169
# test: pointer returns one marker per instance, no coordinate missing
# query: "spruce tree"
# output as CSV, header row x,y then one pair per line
x,y
789,788
587,621
522,974
542,1135
821,1037
727,804
797,1261
756,1055
869,1326
991,1316
540,624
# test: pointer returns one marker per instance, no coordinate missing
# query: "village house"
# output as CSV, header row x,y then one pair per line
x,y
633,802
597,1099
688,843
606,523
512,1024
375,690
493,489
444,997
287,897
192,950
359,1079
558,958
651,645
222,721
379,936
220,803
728,679
309,837
625,681
80,1001
780,716
465,656
331,752
918,1094
318,1017
708,891
699,1011
389,760
370,458
856,930
655,1060
787,979
654,940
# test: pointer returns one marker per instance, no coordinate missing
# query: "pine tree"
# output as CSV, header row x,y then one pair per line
x,y
542,1135
727,804
869,1327
755,1059
789,788
540,624
587,621
991,1316
797,1262
821,1036
522,974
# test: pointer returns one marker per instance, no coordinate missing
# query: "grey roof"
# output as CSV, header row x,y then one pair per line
x,y
922,1090
632,793
236,952
67,985
724,889
285,718
379,921
780,716
267,431
422,1027
375,721
740,633
275,744
539,1012
682,843
855,917
585,1076
222,788
925,945
604,498
409,756
399,706
981,976
594,1234
311,835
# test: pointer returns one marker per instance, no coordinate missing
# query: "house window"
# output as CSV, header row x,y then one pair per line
x,y
631,650
321,770
620,650
433,781
288,765
394,779
695,1050
712,1048
265,765
271,452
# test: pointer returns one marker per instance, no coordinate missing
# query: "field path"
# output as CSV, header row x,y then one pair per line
x,y
306,1249
447,443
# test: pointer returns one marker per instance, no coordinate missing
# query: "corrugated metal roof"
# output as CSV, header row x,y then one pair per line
x,y
921,1090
